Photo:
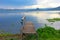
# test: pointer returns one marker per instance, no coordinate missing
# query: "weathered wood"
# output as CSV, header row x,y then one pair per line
x,y
28,28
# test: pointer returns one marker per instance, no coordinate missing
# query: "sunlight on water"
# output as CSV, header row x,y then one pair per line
x,y
10,22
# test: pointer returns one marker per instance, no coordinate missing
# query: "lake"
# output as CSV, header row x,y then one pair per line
x,y
10,22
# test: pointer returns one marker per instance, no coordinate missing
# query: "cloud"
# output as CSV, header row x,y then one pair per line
x,y
48,3
22,4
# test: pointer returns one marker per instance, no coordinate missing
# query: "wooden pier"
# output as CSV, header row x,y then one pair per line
x,y
28,29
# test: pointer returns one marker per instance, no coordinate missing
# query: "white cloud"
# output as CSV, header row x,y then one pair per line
x,y
45,4
39,4
48,3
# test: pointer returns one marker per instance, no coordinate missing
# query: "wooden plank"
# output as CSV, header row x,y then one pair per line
x,y
28,28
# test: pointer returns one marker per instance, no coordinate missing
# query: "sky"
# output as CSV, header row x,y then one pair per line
x,y
29,3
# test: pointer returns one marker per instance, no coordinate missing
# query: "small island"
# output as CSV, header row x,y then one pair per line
x,y
54,19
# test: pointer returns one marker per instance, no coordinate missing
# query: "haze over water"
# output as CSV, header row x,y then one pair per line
x,y
10,22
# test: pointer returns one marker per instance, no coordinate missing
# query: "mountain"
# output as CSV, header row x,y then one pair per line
x,y
28,10
53,9
49,9
58,8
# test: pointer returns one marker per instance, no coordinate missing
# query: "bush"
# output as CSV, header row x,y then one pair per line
x,y
48,33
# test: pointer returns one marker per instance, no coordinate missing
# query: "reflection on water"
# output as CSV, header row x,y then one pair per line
x,y
56,25
10,22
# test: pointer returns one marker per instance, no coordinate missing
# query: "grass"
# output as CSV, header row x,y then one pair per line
x,y
46,33
54,19
5,34
8,36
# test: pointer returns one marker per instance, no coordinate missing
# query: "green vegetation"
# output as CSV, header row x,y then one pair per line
x,y
30,37
5,34
48,33
8,36
11,39
54,19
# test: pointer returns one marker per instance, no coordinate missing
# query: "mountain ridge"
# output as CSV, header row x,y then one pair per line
x,y
27,10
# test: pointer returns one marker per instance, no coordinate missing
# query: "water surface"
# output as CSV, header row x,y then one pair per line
x,y
10,22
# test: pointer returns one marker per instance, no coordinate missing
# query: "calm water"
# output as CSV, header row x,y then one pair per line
x,y
10,22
